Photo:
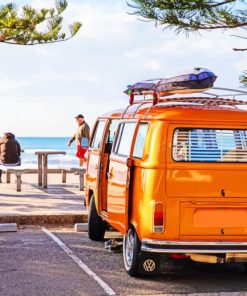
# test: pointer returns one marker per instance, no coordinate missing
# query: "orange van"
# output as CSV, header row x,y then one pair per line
x,y
170,174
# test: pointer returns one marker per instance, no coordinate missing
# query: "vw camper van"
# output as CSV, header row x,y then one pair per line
x,y
170,174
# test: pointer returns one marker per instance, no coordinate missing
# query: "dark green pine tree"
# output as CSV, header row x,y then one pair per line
x,y
29,26
195,15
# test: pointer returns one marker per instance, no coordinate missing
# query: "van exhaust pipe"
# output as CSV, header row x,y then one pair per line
x,y
205,258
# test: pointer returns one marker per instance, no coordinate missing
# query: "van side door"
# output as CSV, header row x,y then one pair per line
x,y
119,176
94,158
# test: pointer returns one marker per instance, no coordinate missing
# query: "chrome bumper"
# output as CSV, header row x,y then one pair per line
x,y
154,246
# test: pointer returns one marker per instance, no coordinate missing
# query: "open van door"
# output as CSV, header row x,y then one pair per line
x,y
94,158
119,176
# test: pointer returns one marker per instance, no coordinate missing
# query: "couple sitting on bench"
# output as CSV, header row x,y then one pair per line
x,y
10,152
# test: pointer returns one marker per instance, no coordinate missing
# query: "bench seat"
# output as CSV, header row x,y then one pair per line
x,y
80,170
18,171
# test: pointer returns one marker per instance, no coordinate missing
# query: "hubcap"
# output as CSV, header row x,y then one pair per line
x,y
128,249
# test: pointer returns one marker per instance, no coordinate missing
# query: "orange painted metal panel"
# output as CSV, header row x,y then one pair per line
x,y
207,182
118,193
213,219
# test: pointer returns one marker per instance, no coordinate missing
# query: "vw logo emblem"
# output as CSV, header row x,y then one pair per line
x,y
149,265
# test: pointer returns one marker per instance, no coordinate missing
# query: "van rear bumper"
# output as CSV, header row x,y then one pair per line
x,y
155,246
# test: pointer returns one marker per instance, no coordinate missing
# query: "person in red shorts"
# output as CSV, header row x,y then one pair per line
x,y
81,137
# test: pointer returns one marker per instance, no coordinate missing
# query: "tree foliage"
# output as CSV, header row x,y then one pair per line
x,y
195,15
30,26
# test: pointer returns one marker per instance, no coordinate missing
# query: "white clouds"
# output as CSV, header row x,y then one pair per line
x,y
38,4
9,84
196,45
100,22
151,64
15,84
179,46
240,63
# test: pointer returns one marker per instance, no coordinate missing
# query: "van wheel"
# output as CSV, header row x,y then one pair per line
x,y
96,226
131,249
137,262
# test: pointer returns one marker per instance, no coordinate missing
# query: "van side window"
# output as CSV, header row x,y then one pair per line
x,y
111,135
209,145
140,140
125,137
98,133
112,131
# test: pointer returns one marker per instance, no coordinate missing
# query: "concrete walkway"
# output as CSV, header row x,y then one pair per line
x,y
60,203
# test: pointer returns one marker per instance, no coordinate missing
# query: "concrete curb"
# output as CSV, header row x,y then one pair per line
x,y
81,227
40,220
8,227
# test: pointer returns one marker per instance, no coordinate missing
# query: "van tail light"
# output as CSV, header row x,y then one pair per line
x,y
159,217
178,256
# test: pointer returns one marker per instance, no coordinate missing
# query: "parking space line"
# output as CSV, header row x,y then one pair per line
x,y
108,290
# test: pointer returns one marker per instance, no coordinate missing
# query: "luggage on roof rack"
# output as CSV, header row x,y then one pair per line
x,y
197,80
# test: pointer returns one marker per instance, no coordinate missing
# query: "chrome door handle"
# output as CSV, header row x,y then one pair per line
x,y
109,175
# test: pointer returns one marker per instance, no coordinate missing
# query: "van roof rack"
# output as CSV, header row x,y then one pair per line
x,y
211,98
236,92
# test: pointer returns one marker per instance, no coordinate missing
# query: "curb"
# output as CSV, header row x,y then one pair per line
x,y
41,220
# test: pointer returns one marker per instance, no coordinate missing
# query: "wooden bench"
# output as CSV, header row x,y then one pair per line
x,y
79,170
18,171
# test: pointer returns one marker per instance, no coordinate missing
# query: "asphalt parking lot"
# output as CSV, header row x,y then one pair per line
x,y
32,263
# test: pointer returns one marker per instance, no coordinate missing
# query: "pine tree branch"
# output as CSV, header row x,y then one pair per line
x,y
240,49
23,30
38,43
191,15
222,3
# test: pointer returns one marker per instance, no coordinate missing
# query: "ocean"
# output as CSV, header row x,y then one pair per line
x,y
32,144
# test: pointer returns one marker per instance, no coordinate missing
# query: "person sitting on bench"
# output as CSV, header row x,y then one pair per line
x,y
10,151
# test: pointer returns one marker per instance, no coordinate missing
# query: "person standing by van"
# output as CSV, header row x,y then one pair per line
x,y
81,137
10,151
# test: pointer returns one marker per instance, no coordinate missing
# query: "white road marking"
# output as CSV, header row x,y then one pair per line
x,y
201,294
108,290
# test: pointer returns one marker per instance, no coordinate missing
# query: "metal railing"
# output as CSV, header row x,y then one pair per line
x,y
206,98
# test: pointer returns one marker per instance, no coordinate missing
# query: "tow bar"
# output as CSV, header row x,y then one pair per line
x,y
114,245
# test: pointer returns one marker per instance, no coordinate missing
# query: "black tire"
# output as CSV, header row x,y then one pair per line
x,y
131,250
245,267
96,226
136,262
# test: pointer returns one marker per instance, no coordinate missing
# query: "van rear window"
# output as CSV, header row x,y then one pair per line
x,y
209,145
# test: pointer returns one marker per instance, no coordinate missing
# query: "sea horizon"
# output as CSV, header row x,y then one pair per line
x,y
21,137
32,144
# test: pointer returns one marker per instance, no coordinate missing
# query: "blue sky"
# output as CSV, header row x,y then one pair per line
x,y
44,87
